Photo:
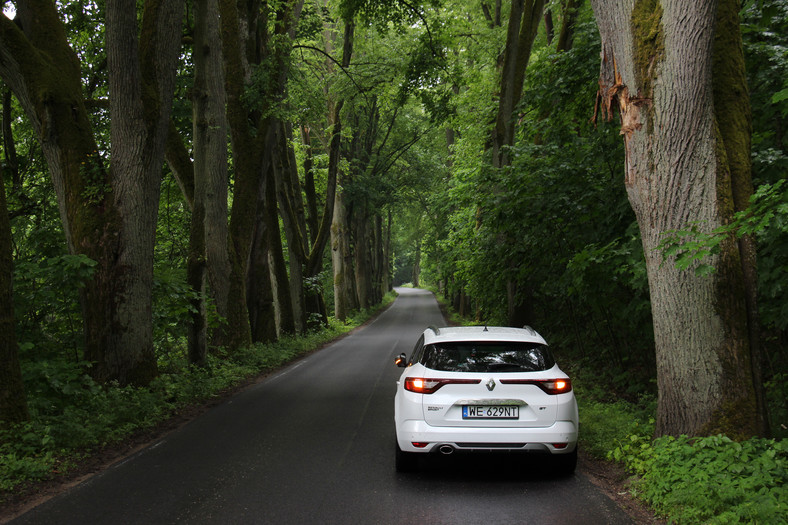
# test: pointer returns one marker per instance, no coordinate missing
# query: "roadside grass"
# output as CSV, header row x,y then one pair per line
x,y
73,418
705,480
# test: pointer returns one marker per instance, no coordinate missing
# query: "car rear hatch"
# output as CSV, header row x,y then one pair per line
x,y
496,400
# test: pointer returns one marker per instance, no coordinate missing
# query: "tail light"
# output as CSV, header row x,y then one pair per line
x,y
549,386
428,385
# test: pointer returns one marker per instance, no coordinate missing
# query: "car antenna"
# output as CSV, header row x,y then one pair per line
x,y
485,329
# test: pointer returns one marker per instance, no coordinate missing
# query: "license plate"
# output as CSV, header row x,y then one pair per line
x,y
490,412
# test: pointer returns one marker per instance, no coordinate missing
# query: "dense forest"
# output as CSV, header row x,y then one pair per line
x,y
184,180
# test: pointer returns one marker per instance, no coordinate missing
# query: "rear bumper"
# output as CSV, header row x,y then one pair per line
x,y
560,438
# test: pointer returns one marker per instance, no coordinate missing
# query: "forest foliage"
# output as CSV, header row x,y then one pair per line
x,y
551,232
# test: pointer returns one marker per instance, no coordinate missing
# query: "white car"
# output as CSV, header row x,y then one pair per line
x,y
478,388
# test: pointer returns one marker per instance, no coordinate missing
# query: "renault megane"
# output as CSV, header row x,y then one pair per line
x,y
473,389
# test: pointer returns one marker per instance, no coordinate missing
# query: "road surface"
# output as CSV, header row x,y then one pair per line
x,y
313,443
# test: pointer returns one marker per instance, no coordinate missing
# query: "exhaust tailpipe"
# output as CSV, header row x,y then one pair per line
x,y
446,449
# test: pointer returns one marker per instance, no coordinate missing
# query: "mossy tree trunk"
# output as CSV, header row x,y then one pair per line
x,y
260,290
341,257
734,117
524,19
341,261
141,63
246,137
657,73
208,260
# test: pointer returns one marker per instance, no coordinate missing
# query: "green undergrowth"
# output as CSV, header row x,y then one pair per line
x,y
72,417
710,479
685,480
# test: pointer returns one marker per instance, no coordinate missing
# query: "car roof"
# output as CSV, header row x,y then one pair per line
x,y
454,334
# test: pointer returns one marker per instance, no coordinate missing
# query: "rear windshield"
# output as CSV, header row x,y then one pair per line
x,y
487,357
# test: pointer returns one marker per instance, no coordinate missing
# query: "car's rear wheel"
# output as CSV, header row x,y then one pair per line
x,y
565,464
404,461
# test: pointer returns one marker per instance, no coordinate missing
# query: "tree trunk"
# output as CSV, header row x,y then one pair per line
x,y
524,20
13,403
278,270
340,248
260,290
340,243
571,9
246,137
9,148
416,275
657,71
385,285
291,209
733,113
309,186
141,84
210,177
361,242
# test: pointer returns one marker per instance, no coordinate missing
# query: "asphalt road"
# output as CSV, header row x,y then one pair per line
x,y
314,444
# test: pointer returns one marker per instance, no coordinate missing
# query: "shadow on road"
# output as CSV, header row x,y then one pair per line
x,y
493,467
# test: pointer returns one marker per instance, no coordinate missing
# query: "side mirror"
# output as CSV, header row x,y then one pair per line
x,y
401,361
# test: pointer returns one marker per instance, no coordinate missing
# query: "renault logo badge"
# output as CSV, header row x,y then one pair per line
x,y
491,384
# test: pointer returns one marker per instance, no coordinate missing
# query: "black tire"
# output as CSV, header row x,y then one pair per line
x,y
565,464
404,461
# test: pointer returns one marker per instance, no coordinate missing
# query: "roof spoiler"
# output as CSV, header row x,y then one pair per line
x,y
530,330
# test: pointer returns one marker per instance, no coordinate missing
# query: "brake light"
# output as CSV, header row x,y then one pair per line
x,y
428,385
548,386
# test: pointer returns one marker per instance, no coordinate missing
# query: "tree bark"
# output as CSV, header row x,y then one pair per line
x,y
208,258
340,259
278,266
9,147
657,73
340,244
523,23
260,288
291,209
141,84
13,403
318,233
566,35
734,116
309,186
248,150
361,256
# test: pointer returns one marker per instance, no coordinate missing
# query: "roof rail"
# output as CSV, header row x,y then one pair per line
x,y
434,329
